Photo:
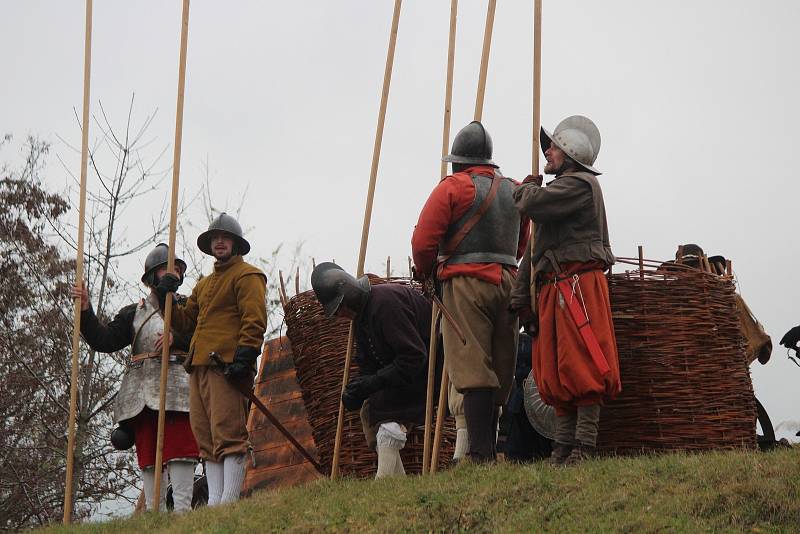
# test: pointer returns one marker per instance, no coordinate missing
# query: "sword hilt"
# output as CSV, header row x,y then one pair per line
x,y
218,361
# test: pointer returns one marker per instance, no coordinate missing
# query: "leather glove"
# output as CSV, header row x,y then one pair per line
x,y
791,338
531,328
359,389
529,321
169,283
533,179
243,364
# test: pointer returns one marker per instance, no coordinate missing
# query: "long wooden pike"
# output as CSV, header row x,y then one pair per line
x,y
487,45
173,217
537,87
537,117
76,329
428,463
479,97
376,154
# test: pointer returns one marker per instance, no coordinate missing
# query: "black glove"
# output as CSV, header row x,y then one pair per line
x,y
790,338
243,364
169,283
359,389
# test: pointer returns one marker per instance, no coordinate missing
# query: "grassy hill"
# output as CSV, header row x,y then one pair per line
x,y
725,491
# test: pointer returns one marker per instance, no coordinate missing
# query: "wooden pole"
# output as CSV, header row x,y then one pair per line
x,y
376,154
487,44
173,217
440,415
641,263
76,328
428,462
388,267
537,85
537,99
448,94
297,281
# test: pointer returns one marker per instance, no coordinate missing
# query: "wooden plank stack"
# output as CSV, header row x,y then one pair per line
x,y
278,464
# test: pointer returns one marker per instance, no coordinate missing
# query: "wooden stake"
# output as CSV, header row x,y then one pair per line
x,y
427,461
173,219
388,267
76,328
729,267
376,154
297,281
487,44
641,263
410,273
282,289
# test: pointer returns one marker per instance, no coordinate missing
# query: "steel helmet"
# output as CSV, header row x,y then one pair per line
x,y
578,137
472,145
156,258
229,225
334,286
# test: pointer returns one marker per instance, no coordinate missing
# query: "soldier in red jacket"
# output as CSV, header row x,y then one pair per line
x,y
470,237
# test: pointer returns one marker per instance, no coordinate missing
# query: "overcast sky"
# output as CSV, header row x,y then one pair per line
x,y
696,102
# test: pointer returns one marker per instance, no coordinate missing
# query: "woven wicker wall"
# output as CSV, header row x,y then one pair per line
x,y
319,346
685,378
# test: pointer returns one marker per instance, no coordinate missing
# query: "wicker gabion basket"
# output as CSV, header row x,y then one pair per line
x,y
319,346
685,378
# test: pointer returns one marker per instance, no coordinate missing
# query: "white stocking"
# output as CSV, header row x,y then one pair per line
x,y
391,437
214,478
462,444
234,477
181,474
149,479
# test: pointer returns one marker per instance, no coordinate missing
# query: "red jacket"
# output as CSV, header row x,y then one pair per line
x,y
448,203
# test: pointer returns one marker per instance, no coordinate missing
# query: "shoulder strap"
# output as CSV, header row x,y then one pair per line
x,y
459,236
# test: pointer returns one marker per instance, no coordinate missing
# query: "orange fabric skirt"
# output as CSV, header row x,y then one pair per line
x,y
563,368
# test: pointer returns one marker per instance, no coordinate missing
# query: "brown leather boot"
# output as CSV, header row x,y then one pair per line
x,y
559,454
579,454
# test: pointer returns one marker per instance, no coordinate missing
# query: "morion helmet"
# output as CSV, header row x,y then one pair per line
x,y
578,137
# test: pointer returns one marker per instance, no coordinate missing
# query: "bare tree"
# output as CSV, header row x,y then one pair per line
x,y
35,350
126,189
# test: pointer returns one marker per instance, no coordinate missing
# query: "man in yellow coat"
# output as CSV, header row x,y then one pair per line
x,y
227,311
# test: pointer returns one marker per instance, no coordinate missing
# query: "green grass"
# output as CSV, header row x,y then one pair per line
x,y
725,491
